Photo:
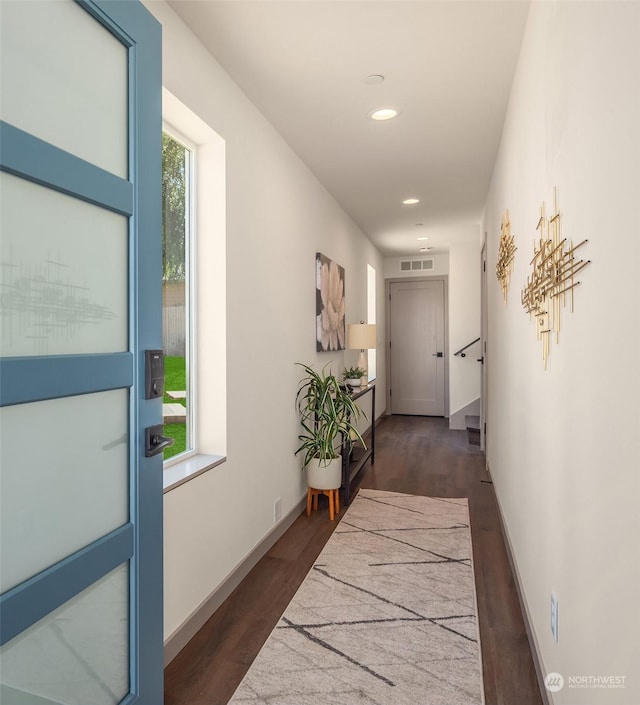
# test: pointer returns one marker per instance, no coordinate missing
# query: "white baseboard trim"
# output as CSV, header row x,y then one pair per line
x,y
547,697
181,636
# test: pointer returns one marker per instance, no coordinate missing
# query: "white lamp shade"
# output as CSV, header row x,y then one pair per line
x,y
361,336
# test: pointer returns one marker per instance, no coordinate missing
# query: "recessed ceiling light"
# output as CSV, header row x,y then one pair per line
x,y
423,238
425,249
383,114
373,79
419,225
410,201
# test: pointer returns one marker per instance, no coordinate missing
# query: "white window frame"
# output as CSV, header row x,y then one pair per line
x,y
191,344
372,366
207,293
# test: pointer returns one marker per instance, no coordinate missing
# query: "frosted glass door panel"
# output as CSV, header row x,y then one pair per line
x,y
64,79
63,273
63,479
78,654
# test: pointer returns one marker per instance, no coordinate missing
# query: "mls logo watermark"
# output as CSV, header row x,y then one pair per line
x,y
554,682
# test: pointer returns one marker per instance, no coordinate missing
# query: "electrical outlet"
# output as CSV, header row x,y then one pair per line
x,y
554,616
277,509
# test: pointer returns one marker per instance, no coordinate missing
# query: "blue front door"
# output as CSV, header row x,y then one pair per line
x,y
80,297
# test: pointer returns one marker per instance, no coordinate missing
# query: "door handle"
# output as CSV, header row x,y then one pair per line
x,y
154,441
438,354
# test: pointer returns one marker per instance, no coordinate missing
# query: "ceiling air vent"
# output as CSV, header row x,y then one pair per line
x,y
414,265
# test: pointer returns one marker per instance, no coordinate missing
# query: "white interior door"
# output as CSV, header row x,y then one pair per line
x,y
80,270
417,348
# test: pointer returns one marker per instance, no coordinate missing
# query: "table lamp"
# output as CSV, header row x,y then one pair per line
x,y
362,336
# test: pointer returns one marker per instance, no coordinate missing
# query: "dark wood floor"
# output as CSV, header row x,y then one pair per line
x,y
416,455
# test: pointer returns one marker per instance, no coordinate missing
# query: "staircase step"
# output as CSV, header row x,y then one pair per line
x,y
472,423
473,429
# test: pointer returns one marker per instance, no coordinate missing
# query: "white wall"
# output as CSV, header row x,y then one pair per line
x,y
564,445
278,216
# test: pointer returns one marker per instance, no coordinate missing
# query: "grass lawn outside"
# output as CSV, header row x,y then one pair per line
x,y
175,380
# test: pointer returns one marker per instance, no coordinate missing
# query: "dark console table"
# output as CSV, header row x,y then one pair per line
x,y
354,456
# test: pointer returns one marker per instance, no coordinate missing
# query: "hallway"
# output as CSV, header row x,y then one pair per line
x,y
416,455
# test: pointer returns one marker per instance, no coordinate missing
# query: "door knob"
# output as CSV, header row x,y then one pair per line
x,y
154,441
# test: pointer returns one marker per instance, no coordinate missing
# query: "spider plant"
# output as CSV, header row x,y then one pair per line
x,y
328,415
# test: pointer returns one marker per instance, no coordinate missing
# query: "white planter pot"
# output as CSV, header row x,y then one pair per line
x,y
323,476
354,382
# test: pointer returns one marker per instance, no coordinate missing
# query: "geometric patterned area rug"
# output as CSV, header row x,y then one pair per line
x,y
386,616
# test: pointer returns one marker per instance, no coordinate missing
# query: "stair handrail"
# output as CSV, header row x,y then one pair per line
x,y
461,351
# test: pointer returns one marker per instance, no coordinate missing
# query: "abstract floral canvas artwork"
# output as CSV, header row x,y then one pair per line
x,y
330,326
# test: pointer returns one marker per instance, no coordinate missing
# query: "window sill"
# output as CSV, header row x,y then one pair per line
x,y
186,470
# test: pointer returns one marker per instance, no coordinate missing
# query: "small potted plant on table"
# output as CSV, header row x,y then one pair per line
x,y
328,415
353,376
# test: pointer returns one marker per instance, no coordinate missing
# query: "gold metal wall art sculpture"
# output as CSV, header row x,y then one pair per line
x,y
552,282
506,253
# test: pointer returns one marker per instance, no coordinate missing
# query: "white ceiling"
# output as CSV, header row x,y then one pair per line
x,y
448,67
